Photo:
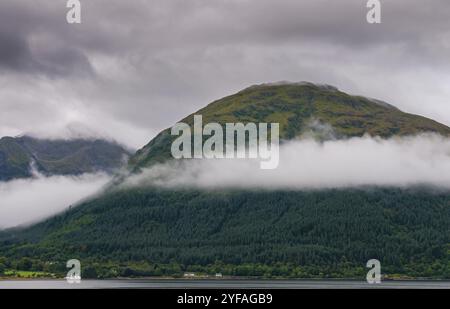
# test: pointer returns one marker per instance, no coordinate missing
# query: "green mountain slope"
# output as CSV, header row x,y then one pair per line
x,y
329,233
57,157
294,106
319,233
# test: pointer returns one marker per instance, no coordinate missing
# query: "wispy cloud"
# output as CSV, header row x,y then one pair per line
x,y
24,201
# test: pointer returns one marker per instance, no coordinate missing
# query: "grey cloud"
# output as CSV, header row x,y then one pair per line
x,y
16,55
30,44
26,201
14,52
308,164
142,65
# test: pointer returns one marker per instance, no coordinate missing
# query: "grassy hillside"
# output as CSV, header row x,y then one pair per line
x,y
57,157
14,159
294,106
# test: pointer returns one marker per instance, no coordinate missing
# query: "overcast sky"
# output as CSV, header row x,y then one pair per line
x,y
134,67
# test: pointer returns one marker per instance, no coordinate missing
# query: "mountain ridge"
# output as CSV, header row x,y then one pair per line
x,y
58,156
326,233
293,105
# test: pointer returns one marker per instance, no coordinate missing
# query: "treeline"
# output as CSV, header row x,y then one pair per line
x,y
326,233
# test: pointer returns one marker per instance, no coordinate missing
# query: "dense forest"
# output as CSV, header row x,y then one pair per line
x,y
326,233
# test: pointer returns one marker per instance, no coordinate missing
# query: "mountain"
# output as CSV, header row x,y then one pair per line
x,y
147,231
58,157
294,106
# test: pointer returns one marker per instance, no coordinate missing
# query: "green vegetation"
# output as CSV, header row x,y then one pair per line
x,y
24,268
329,233
14,160
28,274
57,157
301,234
294,106
2,266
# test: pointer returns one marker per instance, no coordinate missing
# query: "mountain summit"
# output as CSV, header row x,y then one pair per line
x,y
299,108
328,233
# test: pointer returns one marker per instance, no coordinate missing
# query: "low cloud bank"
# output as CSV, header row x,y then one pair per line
x,y
304,164
307,164
24,201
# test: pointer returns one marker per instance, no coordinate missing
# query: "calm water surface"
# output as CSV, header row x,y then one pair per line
x,y
219,284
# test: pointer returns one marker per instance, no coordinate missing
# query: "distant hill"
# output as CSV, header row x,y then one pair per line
x,y
58,157
265,233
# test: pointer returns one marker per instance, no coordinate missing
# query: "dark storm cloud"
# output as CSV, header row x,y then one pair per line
x,y
134,67
31,44
138,28
14,52
16,55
